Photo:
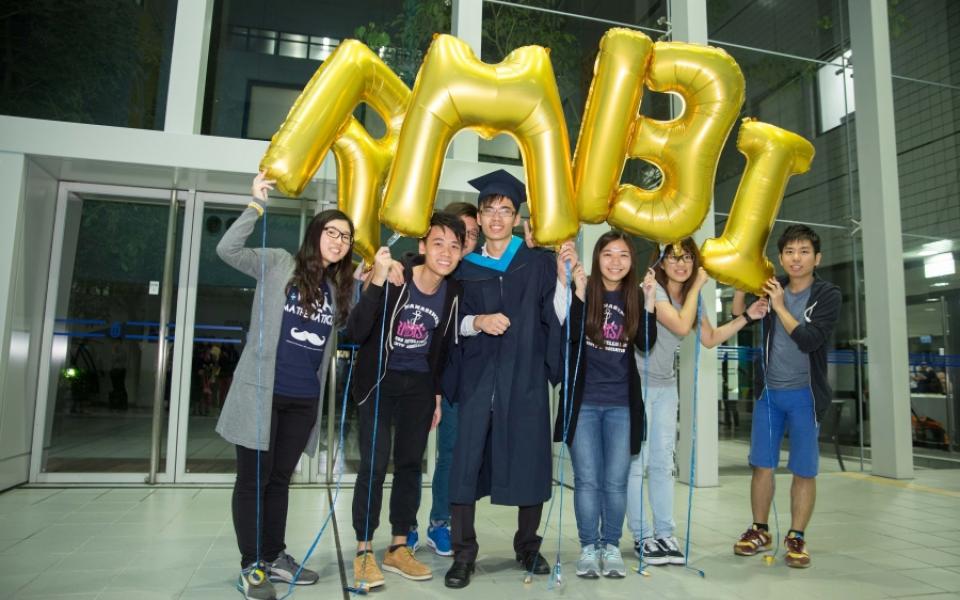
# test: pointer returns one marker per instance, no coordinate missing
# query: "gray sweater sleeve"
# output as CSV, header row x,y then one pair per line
x,y
233,251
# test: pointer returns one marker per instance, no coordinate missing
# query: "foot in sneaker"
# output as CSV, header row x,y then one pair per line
x,y
797,556
613,565
413,539
650,552
284,569
402,562
752,541
671,548
366,573
253,583
438,538
588,565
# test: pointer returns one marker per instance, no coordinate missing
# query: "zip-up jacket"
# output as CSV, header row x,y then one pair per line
x,y
366,320
645,334
812,337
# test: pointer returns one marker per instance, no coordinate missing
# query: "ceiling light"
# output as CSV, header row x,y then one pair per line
x,y
939,265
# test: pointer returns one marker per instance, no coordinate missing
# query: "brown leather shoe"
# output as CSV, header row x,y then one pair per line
x,y
797,556
753,541
366,573
402,562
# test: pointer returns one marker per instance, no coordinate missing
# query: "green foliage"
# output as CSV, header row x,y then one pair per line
x,y
87,61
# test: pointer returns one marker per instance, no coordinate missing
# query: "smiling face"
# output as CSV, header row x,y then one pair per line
x,y
615,263
335,241
798,258
441,250
498,217
680,267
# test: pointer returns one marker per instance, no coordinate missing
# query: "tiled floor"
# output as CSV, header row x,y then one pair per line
x,y
870,538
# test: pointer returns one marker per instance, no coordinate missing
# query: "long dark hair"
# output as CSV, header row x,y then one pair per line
x,y
309,273
687,246
629,288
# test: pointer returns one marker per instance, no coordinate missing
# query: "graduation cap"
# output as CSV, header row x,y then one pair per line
x,y
500,183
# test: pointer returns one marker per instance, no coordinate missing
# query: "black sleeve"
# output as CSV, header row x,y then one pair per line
x,y
646,335
813,334
365,314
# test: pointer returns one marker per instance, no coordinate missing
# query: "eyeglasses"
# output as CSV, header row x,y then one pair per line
x,y
504,212
473,235
335,234
673,259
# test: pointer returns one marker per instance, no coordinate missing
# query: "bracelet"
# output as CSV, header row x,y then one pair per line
x,y
747,318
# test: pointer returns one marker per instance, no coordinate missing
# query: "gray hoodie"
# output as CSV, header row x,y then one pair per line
x,y
238,423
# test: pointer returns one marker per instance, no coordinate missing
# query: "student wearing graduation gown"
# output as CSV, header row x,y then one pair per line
x,y
510,348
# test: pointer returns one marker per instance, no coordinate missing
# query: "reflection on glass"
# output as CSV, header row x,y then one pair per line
x,y
225,298
286,55
87,62
103,366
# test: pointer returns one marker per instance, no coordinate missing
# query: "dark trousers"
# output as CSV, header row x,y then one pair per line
x,y
407,402
464,536
290,424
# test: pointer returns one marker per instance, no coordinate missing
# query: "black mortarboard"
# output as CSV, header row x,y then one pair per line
x,y
500,183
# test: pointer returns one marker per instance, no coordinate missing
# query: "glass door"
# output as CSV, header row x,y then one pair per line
x,y
217,330
96,411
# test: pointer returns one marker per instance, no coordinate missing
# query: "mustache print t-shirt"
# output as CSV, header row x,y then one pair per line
x,y
304,332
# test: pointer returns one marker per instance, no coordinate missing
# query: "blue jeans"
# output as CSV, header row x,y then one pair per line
x,y
446,440
656,455
601,461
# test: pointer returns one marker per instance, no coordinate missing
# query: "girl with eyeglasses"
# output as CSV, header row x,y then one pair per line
x,y
271,412
680,277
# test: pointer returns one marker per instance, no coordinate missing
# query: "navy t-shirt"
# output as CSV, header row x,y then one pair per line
x,y
414,327
303,337
607,377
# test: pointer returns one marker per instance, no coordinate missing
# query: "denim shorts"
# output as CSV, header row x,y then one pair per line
x,y
790,411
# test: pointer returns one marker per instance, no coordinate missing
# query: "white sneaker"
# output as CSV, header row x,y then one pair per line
x,y
588,566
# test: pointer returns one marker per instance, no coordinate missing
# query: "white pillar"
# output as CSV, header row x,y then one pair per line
x,y
688,19
188,66
887,369
467,24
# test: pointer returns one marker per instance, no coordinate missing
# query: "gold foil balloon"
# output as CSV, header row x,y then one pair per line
x,y
773,156
518,96
687,148
362,165
609,117
322,117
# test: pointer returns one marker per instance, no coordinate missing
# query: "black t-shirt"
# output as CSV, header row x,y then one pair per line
x,y
607,367
414,327
303,338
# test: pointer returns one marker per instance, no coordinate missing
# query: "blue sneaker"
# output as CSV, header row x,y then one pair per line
x,y
438,538
413,540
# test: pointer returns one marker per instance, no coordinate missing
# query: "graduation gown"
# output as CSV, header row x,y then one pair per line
x,y
500,383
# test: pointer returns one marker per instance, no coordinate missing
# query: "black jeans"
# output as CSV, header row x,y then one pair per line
x,y
290,425
464,535
407,402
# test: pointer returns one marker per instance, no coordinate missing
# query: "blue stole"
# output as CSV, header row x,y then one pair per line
x,y
497,264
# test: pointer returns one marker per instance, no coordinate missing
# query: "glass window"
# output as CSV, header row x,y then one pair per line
x,y
257,54
800,29
74,61
926,94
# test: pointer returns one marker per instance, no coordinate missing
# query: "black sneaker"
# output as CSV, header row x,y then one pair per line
x,y
652,553
671,549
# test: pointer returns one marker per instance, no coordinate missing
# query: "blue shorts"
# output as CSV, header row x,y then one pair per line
x,y
792,411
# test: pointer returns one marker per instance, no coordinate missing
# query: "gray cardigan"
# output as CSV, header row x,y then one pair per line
x,y
238,419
